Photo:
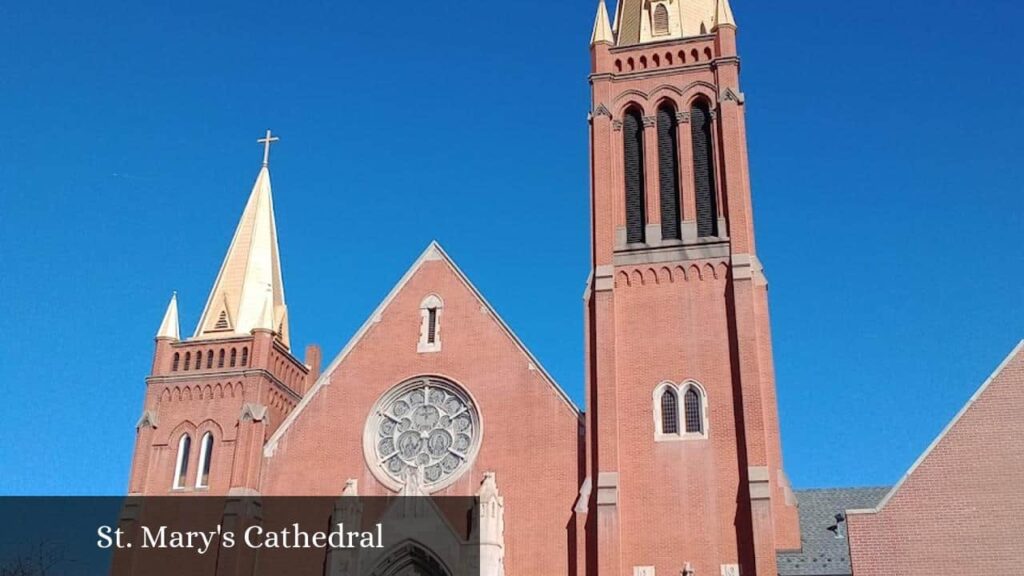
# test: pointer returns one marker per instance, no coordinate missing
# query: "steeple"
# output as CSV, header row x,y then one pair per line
x,y
602,29
169,325
250,277
723,15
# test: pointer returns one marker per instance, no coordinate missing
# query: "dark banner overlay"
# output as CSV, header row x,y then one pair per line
x,y
197,535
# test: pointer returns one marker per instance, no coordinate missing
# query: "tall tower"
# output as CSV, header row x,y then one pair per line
x,y
213,399
683,455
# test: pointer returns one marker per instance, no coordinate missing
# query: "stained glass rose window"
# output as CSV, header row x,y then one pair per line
x,y
428,427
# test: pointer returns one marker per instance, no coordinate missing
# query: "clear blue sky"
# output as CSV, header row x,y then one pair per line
x,y
885,142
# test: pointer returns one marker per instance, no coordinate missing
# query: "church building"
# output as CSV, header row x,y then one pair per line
x,y
673,466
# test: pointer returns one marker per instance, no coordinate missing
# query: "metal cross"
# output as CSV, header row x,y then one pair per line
x,y
267,141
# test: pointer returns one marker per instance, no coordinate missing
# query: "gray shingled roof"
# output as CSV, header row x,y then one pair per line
x,y
825,552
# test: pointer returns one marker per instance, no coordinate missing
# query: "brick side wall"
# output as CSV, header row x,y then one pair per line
x,y
958,510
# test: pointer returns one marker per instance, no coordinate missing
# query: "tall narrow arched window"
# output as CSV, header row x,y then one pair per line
x,y
209,359
668,171
205,456
181,467
660,20
188,360
234,357
245,356
669,412
199,360
704,169
177,361
633,155
693,410
220,358
430,324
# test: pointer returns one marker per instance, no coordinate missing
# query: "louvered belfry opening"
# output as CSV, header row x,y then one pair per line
x,y
668,171
703,170
660,20
633,153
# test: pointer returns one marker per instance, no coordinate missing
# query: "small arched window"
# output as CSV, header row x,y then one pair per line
x,y
188,360
181,467
205,456
430,324
234,357
199,360
220,358
669,412
177,361
633,156
245,356
209,359
704,169
693,411
660,20
668,171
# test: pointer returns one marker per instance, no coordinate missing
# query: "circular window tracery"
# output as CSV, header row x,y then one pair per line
x,y
427,428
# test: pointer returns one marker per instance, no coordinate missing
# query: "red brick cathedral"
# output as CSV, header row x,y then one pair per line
x,y
675,466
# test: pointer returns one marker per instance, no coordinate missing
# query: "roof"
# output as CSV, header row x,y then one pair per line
x,y
825,552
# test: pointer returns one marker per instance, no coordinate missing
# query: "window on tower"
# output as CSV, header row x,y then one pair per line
x,y
680,412
660,20
669,412
177,361
205,457
181,467
693,410
633,155
668,171
704,169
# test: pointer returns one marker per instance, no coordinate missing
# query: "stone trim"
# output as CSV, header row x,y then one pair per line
x,y
712,248
607,488
758,481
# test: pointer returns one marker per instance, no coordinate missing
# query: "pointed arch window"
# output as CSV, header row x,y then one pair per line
x,y
633,156
704,169
245,356
188,360
205,457
668,170
181,467
430,324
199,360
234,357
693,411
177,361
660,20
209,359
220,358
669,412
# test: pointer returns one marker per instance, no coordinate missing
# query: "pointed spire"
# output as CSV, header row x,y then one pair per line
x,y
723,15
602,29
250,277
169,326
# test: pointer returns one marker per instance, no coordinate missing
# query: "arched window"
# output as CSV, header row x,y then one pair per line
x,y
245,356
693,411
188,360
205,456
177,361
669,412
209,359
660,20
181,468
633,155
668,171
703,170
234,357
199,360
220,358
430,324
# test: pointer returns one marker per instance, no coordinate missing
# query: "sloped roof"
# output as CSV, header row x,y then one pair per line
x,y
825,552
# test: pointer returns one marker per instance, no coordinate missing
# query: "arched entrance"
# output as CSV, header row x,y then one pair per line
x,y
409,559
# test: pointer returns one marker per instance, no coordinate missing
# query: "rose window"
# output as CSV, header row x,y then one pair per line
x,y
426,427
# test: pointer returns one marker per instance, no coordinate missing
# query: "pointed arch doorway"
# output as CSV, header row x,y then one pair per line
x,y
410,559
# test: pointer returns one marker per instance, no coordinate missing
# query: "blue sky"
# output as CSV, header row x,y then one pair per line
x,y
884,141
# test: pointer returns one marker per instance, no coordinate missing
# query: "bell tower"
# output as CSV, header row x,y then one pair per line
x,y
212,400
683,450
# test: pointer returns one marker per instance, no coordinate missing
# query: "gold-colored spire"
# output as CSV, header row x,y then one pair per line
x,y
169,326
250,276
602,28
723,15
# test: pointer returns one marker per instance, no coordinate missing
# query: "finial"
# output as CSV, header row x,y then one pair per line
x,y
267,141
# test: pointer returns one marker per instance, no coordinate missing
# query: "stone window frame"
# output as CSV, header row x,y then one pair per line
x,y
206,445
435,303
180,480
680,390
